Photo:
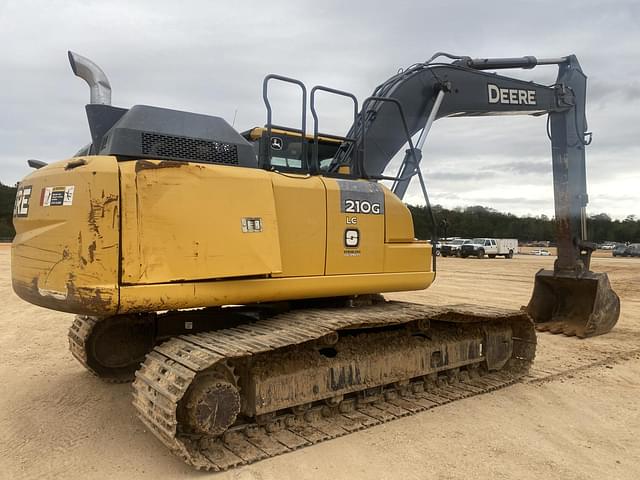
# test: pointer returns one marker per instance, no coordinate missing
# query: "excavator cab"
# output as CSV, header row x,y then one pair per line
x,y
293,150
286,147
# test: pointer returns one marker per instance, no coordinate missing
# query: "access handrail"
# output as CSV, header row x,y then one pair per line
x,y
315,167
265,97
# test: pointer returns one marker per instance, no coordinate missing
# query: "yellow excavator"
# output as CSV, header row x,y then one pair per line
x,y
236,278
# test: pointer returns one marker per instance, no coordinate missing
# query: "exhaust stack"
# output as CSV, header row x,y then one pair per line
x,y
92,74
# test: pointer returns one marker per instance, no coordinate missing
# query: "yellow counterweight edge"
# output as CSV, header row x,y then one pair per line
x,y
145,298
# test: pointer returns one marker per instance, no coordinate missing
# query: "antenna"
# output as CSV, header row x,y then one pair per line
x,y
234,118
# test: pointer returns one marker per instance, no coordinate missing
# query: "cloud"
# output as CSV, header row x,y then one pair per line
x,y
201,56
532,167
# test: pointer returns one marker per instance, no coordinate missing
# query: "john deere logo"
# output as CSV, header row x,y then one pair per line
x,y
276,143
351,238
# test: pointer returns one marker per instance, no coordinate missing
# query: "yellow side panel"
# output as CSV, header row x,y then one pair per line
x,y
407,257
184,221
355,227
65,252
301,210
398,220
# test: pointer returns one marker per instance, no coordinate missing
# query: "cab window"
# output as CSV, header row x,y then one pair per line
x,y
286,152
285,149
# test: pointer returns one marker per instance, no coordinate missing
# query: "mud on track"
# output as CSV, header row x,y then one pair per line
x,y
582,421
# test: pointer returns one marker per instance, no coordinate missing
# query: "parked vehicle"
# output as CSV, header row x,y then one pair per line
x,y
632,250
620,251
492,247
541,252
452,248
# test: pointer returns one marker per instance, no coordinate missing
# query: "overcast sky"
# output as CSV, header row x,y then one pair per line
x,y
210,57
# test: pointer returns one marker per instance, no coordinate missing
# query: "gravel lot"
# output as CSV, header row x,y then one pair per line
x,y
582,422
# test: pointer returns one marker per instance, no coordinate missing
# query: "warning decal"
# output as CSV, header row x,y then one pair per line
x,y
57,196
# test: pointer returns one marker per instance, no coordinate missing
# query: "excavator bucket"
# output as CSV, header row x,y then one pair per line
x,y
584,306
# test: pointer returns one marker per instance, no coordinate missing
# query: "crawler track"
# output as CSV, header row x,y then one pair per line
x,y
92,340
169,370
78,335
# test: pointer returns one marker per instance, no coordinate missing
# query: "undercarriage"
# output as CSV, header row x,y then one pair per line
x,y
258,387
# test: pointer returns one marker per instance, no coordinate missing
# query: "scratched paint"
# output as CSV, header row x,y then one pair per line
x,y
67,259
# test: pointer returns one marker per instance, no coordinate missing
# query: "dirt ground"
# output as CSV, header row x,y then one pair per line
x,y
577,417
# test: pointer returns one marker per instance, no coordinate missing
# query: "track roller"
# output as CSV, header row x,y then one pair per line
x,y
111,348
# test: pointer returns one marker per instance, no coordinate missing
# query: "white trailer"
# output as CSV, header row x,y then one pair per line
x,y
507,246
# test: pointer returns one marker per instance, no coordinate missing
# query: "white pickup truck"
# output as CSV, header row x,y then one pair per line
x,y
491,247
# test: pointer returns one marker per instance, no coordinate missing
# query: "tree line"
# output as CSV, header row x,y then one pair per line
x,y
469,222
478,221
7,199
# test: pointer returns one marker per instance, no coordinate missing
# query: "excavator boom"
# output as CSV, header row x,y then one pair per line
x,y
571,299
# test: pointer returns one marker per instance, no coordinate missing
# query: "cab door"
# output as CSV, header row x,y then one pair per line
x,y
493,248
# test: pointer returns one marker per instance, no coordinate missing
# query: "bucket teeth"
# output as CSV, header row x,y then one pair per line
x,y
543,327
570,332
557,328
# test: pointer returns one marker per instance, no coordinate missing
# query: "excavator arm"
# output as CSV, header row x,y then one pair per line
x,y
570,299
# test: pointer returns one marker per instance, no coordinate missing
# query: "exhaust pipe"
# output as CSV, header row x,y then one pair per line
x,y
92,74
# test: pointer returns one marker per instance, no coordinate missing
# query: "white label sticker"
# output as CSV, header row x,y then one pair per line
x,y
251,225
57,196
